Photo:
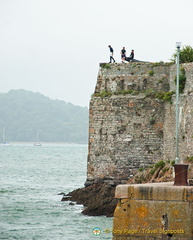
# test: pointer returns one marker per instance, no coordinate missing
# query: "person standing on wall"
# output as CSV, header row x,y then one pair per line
x,y
111,54
123,54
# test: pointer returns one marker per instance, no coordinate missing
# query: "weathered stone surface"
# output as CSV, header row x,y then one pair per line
x,y
153,211
128,132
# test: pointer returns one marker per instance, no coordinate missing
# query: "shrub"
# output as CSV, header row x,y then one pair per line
x,y
160,95
159,164
165,170
182,80
186,55
106,66
150,93
168,96
151,73
103,94
152,171
190,159
172,162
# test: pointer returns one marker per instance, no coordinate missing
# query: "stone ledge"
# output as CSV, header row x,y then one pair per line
x,y
155,191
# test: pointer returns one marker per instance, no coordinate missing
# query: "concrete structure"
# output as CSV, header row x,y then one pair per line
x,y
153,211
131,128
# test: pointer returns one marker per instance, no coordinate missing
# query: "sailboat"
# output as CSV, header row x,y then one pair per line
x,y
4,143
37,143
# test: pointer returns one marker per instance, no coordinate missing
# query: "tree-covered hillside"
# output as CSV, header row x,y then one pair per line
x,y
24,113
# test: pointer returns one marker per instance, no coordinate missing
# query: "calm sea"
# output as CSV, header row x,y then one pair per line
x,y
30,207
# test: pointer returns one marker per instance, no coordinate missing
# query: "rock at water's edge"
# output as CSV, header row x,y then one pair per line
x,y
98,199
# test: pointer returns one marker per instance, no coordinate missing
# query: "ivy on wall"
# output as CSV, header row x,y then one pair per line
x,y
182,80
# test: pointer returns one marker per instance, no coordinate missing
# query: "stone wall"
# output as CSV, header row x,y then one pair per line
x,y
185,118
133,76
131,131
185,131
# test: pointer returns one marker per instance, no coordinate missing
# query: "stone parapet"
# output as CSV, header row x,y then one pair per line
x,y
133,76
153,211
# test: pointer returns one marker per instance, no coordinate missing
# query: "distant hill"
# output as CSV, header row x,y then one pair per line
x,y
24,113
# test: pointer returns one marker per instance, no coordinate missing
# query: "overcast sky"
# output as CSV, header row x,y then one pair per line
x,y
55,46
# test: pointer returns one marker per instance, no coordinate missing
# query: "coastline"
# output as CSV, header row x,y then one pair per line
x,y
98,199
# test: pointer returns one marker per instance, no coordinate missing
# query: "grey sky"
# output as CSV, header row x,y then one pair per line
x,y
55,46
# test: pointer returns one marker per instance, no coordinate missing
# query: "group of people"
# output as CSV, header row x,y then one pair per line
x,y
123,55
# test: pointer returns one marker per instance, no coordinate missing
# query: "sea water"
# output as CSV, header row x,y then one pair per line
x,y
30,207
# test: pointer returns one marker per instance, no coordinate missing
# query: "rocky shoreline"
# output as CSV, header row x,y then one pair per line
x,y
98,199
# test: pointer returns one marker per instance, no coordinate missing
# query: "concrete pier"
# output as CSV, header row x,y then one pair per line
x,y
153,211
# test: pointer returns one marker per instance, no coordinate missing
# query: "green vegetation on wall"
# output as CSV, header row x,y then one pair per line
x,y
166,96
151,73
105,66
182,80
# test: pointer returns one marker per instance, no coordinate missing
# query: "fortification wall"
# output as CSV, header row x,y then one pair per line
x,y
130,131
185,118
133,76
185,130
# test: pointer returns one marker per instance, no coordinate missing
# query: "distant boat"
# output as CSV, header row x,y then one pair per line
x,y
4,143
37,143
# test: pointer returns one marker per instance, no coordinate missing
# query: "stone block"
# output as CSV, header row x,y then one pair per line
x,y
153,211
91,130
